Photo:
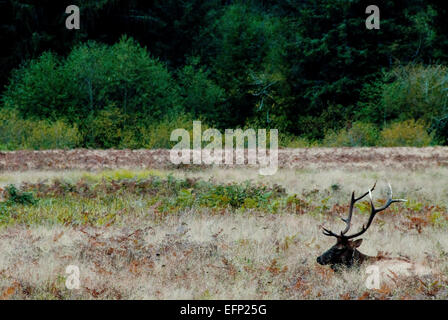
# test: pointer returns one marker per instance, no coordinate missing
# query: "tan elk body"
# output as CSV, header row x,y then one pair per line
x,y
345,252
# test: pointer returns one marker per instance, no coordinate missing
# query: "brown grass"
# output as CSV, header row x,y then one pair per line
x,y
222,257
203,254
304,158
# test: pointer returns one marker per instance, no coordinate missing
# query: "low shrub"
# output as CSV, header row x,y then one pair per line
x,y
158,136
57,135
17,133
16,196
407,133
360,134
290,141
105,130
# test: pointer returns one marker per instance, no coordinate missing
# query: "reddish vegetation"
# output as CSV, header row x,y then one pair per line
x,y
343,158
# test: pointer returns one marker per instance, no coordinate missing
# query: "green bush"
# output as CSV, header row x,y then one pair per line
x,y
12,130
158,135
201,96
290,141
358,135
409,92
418,92
236,195
16,196
110,92
56,135
407,133
38,88
106,129
92,78
113,129
17,133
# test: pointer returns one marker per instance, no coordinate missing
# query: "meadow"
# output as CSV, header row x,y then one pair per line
x,y
155,231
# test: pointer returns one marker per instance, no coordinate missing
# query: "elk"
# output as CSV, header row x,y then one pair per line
x,y
345,252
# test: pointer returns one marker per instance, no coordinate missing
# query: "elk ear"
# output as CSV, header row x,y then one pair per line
x,y
356,243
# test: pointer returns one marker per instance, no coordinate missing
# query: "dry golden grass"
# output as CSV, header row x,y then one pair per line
x,y
220,257
197,254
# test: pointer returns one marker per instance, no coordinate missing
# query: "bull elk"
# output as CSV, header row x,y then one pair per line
x,y
345,252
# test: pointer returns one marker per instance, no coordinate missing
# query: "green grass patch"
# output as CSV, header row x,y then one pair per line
x,y
112,196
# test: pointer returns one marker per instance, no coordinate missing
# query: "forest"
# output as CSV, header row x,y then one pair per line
x,y
136,70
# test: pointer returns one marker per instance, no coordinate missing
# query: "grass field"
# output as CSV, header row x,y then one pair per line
x,y
217,233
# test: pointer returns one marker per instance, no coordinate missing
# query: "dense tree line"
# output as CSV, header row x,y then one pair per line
x,y
307,67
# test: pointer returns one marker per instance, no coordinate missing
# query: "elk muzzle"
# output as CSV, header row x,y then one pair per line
x,y
325,258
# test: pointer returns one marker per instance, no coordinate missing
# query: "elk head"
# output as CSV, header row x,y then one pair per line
x,y
345,252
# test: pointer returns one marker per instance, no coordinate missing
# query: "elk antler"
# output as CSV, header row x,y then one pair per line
x,y
374,211
352,205
349,217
